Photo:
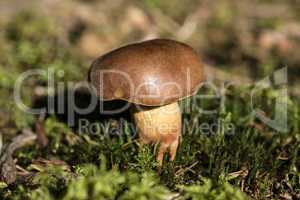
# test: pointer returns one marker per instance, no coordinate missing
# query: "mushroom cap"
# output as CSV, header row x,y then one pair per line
x,y
150,73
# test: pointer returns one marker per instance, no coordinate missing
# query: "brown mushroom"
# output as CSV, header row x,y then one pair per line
x,y
152,75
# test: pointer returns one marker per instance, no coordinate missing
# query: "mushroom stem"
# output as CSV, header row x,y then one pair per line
x,y
159,125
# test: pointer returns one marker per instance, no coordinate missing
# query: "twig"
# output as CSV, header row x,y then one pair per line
x,y
22,171
40,131
8,172
173,196
189,27
182,171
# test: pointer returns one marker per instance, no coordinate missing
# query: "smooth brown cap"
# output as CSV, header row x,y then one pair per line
x,y
152,73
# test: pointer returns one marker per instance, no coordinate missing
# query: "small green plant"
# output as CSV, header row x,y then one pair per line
x,y
210,191
99,183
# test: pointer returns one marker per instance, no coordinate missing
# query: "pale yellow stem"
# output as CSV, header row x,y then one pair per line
x,y
159,125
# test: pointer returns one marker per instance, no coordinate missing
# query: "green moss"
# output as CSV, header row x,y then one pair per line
x,y
210,191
